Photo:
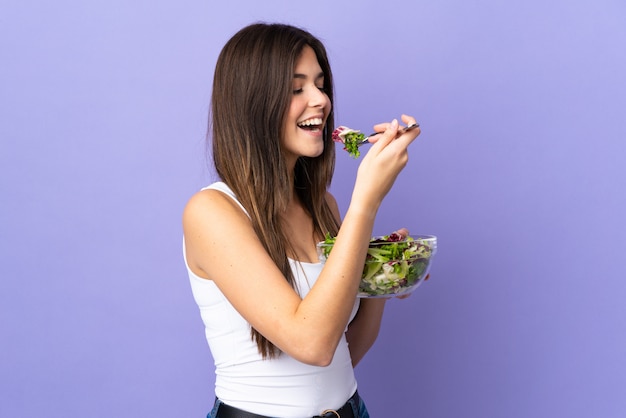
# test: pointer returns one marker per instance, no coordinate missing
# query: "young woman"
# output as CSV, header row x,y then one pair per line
x,y
285,331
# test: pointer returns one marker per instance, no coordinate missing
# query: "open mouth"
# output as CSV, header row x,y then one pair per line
x,y
313,124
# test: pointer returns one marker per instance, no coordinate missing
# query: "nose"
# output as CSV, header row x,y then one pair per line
x,y
318,98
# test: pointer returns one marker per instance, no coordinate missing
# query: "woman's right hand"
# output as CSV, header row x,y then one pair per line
x,y
383,162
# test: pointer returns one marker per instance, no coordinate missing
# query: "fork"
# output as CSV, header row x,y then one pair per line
x,y
400,132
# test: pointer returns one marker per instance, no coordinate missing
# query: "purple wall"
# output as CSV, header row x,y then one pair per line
x,y
519,171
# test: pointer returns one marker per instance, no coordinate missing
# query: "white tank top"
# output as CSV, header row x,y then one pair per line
x,y
281,387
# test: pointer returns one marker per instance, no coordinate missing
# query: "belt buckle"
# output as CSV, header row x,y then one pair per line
x,y
328,411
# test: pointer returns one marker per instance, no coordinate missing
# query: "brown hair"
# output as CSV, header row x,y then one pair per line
x,y
252,90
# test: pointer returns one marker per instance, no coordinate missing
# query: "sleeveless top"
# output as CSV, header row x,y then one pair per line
x,y
281,387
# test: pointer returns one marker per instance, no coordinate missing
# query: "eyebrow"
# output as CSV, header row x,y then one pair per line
x,y
303,76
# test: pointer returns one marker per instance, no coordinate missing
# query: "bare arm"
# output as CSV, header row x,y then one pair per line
x,y
363,330
222,246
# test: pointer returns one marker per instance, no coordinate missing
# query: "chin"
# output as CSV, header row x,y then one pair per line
x,y
315,153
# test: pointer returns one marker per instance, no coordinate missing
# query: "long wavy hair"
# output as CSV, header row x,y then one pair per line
x,y
252,91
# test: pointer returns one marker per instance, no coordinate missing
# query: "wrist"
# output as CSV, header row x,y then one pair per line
x,y
363,212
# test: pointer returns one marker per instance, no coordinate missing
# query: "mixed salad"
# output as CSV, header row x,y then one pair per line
x,y
350,138
393,265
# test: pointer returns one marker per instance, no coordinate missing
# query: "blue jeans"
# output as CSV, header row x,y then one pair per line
x,y
360,410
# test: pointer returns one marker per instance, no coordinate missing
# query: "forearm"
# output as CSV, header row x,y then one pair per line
x,y
330,301
344,266
363,330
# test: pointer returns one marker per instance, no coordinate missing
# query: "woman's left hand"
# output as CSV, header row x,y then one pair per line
x,y
403,232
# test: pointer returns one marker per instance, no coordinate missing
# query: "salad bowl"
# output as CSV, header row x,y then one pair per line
x,y
394,265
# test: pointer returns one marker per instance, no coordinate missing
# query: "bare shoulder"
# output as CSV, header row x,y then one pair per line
x,y
221,245
208,203
210,218
206,207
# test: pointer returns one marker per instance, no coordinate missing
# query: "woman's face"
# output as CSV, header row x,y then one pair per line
x,y
304,126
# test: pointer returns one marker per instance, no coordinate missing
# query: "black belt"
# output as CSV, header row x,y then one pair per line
x,y
227,411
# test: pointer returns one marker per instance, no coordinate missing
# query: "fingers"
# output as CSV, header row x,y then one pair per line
x,y
409,120
403,232
384,161
382,128
390,132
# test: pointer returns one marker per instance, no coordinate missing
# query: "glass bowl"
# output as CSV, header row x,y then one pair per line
x,y
392,267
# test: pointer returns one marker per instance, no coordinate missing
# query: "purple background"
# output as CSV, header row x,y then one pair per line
x,y
519,171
